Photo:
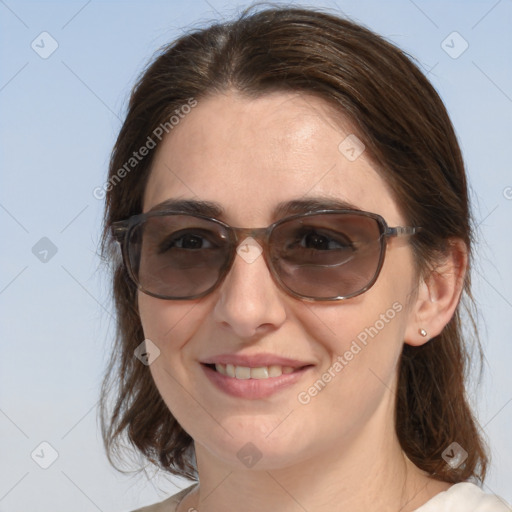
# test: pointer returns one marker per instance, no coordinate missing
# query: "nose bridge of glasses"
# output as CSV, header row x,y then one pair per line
x,y
258,234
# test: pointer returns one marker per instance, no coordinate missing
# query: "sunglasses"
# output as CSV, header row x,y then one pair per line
x,y
319,255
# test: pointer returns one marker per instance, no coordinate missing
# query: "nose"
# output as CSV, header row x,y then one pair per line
x,y
249,302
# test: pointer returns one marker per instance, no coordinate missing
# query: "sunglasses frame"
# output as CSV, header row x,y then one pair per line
x,y
121,231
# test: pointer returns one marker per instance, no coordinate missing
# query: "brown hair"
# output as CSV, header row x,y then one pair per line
x,y
403,123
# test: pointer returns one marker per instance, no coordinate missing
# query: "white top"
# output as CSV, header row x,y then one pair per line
x,y
463,497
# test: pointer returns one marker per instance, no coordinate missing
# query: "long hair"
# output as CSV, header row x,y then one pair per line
x,y
406,130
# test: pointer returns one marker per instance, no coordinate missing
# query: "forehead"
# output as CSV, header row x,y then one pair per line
x,y
249,155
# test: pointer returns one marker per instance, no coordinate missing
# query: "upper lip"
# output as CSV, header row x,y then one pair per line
x,y
255,360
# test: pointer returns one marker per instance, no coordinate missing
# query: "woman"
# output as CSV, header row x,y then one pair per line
x,y
290,201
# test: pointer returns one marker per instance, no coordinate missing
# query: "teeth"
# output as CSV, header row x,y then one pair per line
x,y
244,372
230,369
260,373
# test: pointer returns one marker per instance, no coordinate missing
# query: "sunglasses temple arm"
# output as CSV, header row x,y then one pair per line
x,y
119,231
402,231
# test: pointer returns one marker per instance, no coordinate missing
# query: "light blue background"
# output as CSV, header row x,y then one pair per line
x,y
59,119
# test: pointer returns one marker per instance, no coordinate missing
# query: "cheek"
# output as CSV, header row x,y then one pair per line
x,y
170,325
360,335
362,345
167,323
363,338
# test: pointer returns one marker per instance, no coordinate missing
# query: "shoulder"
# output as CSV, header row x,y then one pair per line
x,y
168,505
465,497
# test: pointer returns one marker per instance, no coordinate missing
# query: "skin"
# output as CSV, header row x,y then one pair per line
x,y
340,451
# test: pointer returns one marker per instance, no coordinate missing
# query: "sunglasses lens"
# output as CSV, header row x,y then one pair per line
x,y
177,256
327,255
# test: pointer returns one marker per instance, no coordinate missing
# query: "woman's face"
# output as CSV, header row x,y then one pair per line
x,y
249,155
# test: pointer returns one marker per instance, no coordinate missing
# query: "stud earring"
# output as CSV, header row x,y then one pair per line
x,y
423,332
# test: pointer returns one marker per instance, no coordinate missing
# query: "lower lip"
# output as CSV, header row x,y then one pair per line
x,y
253,389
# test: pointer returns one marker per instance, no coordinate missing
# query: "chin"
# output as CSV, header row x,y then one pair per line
x,y
254,445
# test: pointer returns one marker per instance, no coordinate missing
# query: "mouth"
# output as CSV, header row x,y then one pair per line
x,y
258,372
253,382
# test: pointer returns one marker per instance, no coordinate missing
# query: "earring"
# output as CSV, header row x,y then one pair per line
x,y
423,332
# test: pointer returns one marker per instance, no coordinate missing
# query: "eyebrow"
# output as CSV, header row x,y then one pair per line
x,y
293,207
308,204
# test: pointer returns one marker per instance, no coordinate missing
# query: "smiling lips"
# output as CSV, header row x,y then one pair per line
x,y
253,377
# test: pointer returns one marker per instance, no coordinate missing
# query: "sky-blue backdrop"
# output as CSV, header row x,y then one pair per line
x,y
59,118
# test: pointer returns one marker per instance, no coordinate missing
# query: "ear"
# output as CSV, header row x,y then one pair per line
x,y
438,295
